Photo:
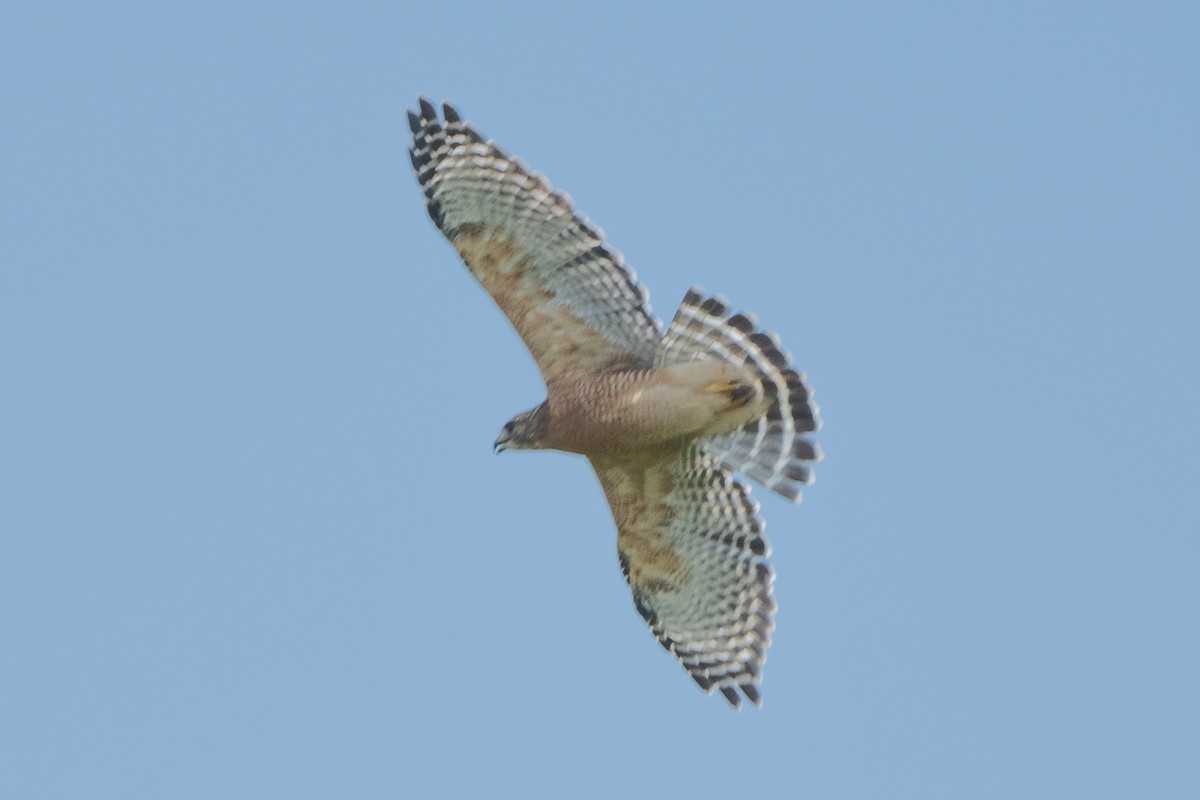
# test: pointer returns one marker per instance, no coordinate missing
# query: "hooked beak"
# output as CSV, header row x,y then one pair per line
x,y
501,442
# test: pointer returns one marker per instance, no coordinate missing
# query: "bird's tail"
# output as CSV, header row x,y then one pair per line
x,y
770,450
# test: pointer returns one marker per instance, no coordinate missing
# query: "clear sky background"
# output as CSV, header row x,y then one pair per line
x,y
253,539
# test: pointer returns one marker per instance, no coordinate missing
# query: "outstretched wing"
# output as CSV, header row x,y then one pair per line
x,y
692,548
568,294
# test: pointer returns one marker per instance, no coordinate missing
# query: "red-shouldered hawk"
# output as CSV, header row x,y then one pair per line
x,y
665,419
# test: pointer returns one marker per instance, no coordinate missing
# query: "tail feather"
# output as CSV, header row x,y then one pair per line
x,y
770,450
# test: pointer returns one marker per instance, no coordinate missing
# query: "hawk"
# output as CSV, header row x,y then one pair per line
x,y
666,418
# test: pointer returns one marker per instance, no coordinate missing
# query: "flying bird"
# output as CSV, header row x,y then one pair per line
x,y
666,418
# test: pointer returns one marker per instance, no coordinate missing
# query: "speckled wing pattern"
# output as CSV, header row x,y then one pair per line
x,y
691,545
771,450
568,294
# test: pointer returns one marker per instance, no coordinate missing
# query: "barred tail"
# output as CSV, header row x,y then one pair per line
x,y
770,450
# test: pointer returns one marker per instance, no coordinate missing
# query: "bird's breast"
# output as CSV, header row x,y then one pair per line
x,y
599,414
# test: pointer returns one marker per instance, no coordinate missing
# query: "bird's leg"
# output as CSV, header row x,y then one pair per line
x,y
739,392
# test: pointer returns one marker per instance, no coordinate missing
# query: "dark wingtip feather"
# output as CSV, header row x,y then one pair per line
x,y
804,450
752,693
427,109
743,323
450,113
715,306
732,696
805,423
788,491
796,472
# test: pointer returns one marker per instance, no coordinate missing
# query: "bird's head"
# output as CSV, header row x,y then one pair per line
x,y
524,431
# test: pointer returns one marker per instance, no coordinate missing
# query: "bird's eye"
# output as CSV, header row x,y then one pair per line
x,y
509,427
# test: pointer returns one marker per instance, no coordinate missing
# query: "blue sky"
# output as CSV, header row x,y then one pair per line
x,y
253,538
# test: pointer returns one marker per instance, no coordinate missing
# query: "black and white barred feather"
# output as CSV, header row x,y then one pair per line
x,y
718,623
771,450
472,185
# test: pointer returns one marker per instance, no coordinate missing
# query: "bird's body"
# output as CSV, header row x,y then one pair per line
x,y
625,410
664,417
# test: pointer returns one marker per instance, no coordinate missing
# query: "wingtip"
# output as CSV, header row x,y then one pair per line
x,y
717,305
429,112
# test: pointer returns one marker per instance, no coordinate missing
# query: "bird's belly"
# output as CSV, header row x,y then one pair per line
x,y
645,409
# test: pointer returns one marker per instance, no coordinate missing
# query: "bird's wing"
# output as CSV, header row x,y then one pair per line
x,y
568,294
691,546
